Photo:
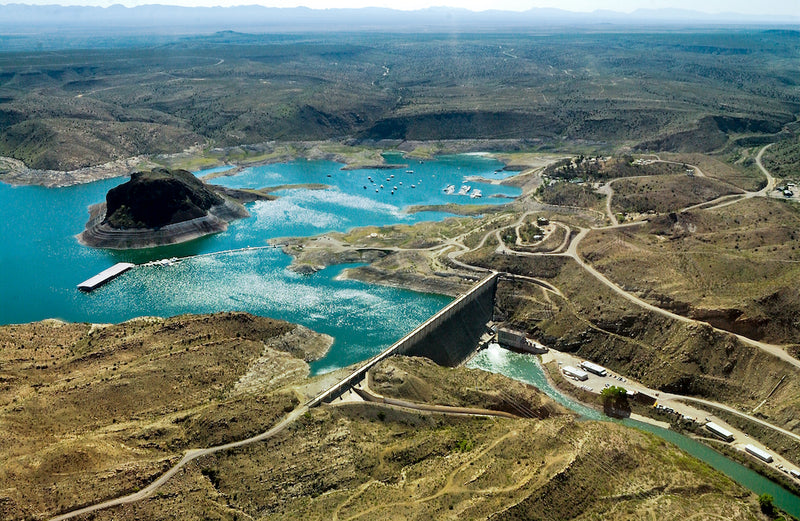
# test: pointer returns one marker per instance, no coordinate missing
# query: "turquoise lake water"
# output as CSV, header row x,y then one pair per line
x,y
41,261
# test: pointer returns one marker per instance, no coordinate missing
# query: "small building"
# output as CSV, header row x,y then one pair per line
x,y
516,340
594,368
574,372
542,221
511,338
719,431
758,453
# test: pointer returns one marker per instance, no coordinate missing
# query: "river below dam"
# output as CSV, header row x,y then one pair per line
x,y
526,368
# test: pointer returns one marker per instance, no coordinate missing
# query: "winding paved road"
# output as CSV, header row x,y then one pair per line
x,y
572,251
770,180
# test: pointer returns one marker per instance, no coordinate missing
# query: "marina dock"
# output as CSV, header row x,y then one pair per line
x,y
105,276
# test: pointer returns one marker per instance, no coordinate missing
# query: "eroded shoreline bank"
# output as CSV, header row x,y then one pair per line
x,y
353,156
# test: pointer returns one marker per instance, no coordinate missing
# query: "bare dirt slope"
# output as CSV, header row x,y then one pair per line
x,y
736,266
89,412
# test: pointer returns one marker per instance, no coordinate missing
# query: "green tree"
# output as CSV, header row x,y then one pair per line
x,y
615,401
614,395
765,501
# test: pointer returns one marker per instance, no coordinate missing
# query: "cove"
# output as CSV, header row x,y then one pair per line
x,y
526,368
41,262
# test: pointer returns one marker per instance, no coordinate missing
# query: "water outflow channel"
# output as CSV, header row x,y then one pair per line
x,y
526,368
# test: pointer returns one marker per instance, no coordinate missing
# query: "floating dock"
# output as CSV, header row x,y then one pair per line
x,y
105,276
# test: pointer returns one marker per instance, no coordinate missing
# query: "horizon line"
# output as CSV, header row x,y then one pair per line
x,y
677,10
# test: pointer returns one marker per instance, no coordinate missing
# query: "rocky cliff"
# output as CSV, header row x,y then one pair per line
x,y
157,208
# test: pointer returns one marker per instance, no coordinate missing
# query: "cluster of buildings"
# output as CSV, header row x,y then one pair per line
x,y
518,341
726,435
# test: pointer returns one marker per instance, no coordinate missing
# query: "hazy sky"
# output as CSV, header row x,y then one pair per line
x,y
771,7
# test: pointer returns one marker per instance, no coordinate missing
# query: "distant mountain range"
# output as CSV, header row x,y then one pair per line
x,y
23,19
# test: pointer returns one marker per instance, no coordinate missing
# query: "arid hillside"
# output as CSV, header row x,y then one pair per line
x,y
687,91
94,411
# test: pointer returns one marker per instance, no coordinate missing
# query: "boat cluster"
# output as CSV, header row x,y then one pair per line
x,y
162,262
390,179
464,190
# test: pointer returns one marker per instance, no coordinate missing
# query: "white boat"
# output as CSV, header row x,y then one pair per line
x,y
464,190
409,171
475,194
449,189
162,262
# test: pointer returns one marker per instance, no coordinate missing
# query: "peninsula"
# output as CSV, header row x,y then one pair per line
x,y
162,207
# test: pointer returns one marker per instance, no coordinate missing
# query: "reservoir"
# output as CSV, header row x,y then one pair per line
x,y
41,262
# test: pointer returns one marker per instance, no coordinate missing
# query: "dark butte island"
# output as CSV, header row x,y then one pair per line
x,y
163,207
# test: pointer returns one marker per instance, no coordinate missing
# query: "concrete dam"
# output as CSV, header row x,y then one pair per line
x,y
448,338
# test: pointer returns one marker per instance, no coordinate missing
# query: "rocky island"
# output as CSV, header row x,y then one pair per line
x,y
162,207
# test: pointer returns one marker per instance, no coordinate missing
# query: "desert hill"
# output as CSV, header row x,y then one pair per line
x,y
160,207
93,412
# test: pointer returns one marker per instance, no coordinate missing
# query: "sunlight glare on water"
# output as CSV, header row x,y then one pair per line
x,y
41,261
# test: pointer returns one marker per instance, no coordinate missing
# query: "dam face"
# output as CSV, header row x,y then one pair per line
x,y
452,335
448,338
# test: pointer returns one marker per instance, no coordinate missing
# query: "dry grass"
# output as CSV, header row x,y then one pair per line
x,y
364,461
749,179
665,193
420,380
735,266
91,412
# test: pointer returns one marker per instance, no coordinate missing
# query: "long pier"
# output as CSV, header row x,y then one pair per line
x,y
424,341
